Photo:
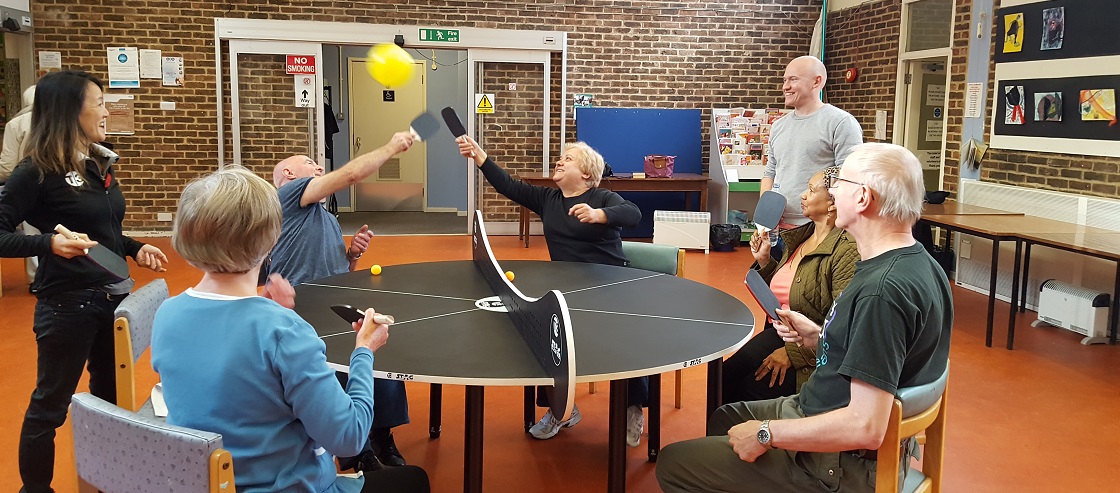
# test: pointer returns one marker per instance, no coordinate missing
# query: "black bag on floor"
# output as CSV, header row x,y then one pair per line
x,y
724,237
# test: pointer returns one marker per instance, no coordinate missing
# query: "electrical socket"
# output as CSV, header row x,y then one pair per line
x,y
163,216
966,249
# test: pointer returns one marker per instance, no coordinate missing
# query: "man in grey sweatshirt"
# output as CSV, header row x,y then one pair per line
x,y
814,136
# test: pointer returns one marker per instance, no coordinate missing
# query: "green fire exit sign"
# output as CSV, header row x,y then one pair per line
x,y
440,35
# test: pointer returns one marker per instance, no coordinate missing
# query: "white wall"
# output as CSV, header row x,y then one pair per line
x,y
24,5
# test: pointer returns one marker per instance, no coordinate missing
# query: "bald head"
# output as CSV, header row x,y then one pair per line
x,y
808,66
294,167
895,175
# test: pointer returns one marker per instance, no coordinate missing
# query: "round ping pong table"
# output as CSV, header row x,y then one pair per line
x,y
449,330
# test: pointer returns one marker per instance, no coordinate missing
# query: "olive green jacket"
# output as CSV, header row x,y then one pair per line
x,y
820,277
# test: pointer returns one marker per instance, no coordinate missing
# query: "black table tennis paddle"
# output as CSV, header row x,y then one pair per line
x,y
771,206
101,257
351,314
454,124
424,126
762,294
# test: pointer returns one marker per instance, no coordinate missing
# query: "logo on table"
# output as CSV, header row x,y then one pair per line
x,y
556,337
492,304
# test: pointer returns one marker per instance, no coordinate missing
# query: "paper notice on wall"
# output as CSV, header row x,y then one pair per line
x,y
929,159
172,70
935,129
122,114
881,125
124,67
935,95
49,61
972,99
150,64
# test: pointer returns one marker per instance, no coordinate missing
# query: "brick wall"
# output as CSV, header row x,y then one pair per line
x,y
627,53
865,37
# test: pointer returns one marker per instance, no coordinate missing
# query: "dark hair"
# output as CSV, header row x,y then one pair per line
x,y
55,139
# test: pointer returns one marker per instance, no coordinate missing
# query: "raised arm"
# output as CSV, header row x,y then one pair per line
x,y
355,171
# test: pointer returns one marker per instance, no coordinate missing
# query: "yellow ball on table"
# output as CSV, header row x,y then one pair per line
x,y
509,275
375,270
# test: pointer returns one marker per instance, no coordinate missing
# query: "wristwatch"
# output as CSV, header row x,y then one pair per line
x,y
764,434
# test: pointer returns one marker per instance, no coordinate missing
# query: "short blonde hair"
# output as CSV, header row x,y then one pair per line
x,y
590,162
227,222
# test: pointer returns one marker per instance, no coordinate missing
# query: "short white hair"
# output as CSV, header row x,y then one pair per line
x,y
894,175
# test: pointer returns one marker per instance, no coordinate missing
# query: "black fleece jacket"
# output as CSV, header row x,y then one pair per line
x,y
90,204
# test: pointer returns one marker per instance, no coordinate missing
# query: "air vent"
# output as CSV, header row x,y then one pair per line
x,y
391,170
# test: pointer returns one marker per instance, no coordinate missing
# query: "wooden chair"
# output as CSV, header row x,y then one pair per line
x,y
119,451
132,334
916,409
658,258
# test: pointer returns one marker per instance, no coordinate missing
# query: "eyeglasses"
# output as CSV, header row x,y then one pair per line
x,y
831,181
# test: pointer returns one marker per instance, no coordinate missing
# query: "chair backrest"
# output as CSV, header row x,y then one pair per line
x,y
658,258
916,409
132,334
119,451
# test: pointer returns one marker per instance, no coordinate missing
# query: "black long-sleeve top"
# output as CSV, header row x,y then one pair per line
x,y
90,204
567,238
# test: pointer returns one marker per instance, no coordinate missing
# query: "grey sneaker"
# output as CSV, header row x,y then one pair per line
x,y
549,426
635,425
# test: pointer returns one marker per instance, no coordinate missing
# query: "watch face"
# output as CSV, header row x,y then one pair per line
x,y
764,436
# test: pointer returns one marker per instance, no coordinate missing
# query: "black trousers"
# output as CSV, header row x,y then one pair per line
x,y
72,330
403,479
739,384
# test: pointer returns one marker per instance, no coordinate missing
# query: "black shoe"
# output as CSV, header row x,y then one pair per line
x,y
366,461
386,448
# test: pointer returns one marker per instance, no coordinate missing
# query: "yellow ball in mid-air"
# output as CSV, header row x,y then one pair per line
x,y
375,270
390,65
509,275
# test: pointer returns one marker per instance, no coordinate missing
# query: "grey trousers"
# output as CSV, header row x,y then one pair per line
x,y
710,464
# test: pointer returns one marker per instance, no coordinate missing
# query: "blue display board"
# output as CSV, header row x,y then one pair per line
x,y
624,136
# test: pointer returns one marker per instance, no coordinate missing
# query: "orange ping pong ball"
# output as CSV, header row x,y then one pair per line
x,y
375,270
509,275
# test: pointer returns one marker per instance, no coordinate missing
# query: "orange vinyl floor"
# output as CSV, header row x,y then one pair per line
x,y
1040,418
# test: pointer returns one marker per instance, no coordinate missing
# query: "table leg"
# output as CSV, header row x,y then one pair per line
x,y
435,410
1115,313
1026,277
530,406
715,388
654,422
523,224
616,441
472,453
992,292
1014,308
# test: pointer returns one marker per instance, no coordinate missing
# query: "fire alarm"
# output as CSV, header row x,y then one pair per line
x,y
851,74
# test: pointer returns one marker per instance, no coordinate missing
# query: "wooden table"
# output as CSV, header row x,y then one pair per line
x,y
954,208
680,182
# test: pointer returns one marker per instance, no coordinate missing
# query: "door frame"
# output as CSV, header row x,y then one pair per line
x,y
481,44
902,88
266,47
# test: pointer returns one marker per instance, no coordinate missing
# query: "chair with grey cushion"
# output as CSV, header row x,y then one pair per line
x,y
916,409
119,451
132,334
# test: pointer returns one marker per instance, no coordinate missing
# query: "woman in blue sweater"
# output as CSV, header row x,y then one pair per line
x,y
242,365
582,223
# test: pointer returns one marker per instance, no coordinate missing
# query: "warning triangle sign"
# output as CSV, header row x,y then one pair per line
x,y
485,105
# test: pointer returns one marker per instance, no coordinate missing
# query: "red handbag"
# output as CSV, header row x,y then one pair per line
x,y
659,166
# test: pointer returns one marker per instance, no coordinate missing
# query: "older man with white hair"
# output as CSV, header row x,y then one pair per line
x,y
889,329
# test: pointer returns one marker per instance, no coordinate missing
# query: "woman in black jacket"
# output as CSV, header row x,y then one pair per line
x,y
67,178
